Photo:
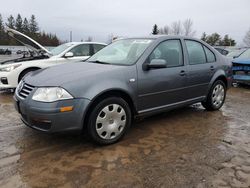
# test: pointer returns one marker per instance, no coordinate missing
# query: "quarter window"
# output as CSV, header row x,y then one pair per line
x,y
196,53
81,50
171,51
210,55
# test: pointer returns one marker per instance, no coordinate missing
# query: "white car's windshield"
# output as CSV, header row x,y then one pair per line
x,y
235,53
59,49
121,52
245,55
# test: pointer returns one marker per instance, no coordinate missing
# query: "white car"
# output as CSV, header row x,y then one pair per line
x,y
12,71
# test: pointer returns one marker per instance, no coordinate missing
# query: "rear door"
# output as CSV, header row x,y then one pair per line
x,y
202,65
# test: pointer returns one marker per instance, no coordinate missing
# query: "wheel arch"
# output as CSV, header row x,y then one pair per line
x,y
110,93
218,76
27,69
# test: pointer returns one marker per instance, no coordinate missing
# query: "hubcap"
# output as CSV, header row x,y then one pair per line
x,y
218,95
111,121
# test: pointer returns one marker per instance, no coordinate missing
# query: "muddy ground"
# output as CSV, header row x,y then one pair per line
x,y
189,147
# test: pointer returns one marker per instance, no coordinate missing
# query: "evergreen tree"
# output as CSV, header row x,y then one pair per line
x,y
214,39
33,25
19,23
1,24
155,30
11,22
227,41
26,26
204,37
2,32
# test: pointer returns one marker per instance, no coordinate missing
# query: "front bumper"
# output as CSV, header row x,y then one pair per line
x,y
242,78
12,80
47,117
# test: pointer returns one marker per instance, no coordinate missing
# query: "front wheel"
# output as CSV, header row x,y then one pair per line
x,y
109,120
216,96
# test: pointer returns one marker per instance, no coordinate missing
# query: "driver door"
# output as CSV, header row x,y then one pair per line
x,y
163,87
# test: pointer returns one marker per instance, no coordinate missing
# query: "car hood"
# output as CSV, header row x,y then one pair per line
x,y
27,41
72,72
241,61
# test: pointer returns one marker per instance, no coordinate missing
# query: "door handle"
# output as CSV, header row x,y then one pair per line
x,y
212,68
182,73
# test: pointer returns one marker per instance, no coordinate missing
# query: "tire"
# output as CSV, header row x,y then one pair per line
x,y
25,72
216,96
109,120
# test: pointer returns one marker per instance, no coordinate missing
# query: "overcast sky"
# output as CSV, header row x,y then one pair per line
x,y
100,18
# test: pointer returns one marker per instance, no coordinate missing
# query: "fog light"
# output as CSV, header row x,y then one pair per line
x,y
66,109
4,80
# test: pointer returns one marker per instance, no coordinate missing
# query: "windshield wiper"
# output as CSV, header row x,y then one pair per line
x,y
100,62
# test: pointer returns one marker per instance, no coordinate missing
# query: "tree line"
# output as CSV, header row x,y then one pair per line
x,y
28,27
186,28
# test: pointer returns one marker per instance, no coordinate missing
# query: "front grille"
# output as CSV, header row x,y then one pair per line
x,y
242,73
25,90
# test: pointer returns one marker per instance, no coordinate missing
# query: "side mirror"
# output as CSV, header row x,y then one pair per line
x,y
157,64
68,55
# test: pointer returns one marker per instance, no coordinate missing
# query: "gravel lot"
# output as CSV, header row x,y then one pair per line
x,y
189,147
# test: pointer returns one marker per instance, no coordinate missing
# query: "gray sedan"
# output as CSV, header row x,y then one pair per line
x,y
129,78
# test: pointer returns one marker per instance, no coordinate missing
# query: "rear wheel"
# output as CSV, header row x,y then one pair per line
x,y
216,96
109,120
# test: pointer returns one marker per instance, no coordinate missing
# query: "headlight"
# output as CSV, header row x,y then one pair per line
x,y
10,68
51,94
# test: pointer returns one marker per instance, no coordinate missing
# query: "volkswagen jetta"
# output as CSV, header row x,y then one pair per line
x,y
129,78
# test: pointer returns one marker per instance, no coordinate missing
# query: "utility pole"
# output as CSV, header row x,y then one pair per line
x,y
70,36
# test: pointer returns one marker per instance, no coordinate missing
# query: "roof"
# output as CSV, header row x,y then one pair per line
x,y
74,43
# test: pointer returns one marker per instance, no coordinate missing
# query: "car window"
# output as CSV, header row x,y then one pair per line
x,y
81,50
196,53
171,51
210,55
245,55
122,52
98,47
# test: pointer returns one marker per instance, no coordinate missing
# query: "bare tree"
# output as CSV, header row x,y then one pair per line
x,y
89,39
246,39
176,28
188,28
165,30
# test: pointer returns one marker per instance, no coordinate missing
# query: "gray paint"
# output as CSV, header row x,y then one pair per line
x,y
151,90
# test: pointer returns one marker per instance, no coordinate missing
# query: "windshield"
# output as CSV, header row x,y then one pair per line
x,y
59,49
245,55
121,52
235,53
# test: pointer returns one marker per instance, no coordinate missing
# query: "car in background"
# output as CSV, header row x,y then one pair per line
x,y
5,52
236,53
222,51
128,78
241,68
12,71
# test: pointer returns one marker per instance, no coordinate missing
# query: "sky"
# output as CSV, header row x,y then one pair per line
x,y
101,18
